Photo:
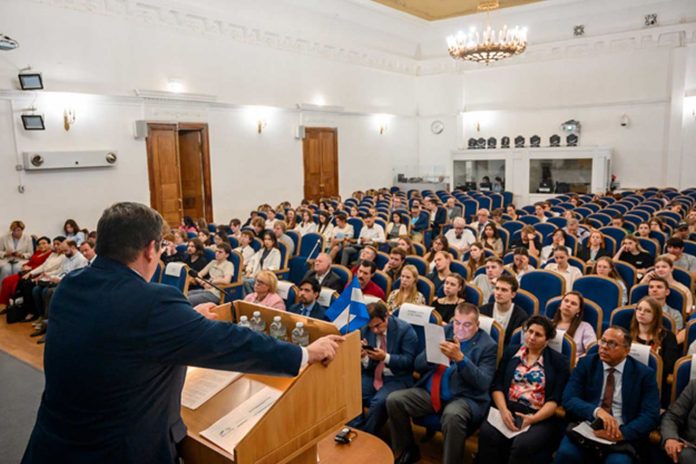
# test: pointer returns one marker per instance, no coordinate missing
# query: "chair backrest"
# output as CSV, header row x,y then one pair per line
x,y
234,243
527,301
382,259
357,224
419,248
288,292
157,276
420,263
557,221
622,316
343,274
496,332
545,228
543,284
458,267
682,375
676,298
237,261
473,294
591,313
209,254
383,281
690,334
682,276
513,226
295,237
628,272
311,245
529,219
617,233
567,345
690,247
602,290
176,275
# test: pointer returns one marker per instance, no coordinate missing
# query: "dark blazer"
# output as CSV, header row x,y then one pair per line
x,y
556,372
440,220
422,223
331,281
517,319
640,399
680,419
115,362
317,312
401,346
584,253
474,375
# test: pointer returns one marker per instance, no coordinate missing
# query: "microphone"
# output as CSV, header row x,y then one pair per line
x,y
193,273
309,256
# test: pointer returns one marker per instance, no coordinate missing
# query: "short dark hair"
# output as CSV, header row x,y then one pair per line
x,y
90,243
626,334
368,263
73,224
225,247
71,243
125,229
675,242
316,288
48,240
545,324
659,279
378,310
465,308
59,238
510,280
398,251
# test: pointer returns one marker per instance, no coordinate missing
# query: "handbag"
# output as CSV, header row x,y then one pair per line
x,y
15,313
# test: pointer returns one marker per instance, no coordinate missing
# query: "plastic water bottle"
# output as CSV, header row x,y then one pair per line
x,y
278,330
244,322
299,335
257,324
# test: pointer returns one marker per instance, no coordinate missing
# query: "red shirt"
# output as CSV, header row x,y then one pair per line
x,y
373,289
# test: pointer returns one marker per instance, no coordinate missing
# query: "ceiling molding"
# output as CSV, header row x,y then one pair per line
x,y
434,10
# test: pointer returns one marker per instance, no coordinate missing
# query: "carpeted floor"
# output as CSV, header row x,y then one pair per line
x,y
20,396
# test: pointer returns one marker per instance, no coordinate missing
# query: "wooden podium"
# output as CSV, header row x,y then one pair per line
x,y
313,404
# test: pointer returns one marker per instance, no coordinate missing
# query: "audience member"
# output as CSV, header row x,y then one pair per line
x,y
490,237
663,268
511,211
195,255
220,272
50,268
437,215
15,250
393,267
322,273
503,309
406,244
539,212
593,248
482,218
573,228
477,258
605,267
370,234
678,427
520,263
265,291
366,270
562,266
187,225
307,225
420,220
407,291
658,289
279,229
441,269
558,239
88,250
486,282
438,243
9,283
459,236
308,305
342,236
675,250
569,319
632,253
396,228
454,209
246,238
528,239
266,259
453,289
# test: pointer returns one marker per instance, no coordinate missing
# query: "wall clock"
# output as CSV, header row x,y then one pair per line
x,y
437,127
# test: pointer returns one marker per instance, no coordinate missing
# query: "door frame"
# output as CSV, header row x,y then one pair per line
x,y
335,159
205,157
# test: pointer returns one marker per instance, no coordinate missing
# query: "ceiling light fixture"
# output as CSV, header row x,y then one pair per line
x,y
489,46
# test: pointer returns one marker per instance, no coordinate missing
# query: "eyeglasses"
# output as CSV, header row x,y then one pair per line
x,y
466,325
261,282
611,344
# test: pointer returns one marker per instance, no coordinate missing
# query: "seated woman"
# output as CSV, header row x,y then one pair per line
x,y
266,259
442,263
408,291
568,318
195,258
187,225
396,228
73,232
439,244
169,252
453,288
594,248
528,239
290,218
15,249
632,253
563,267
526,390
656,224
325,228
219,271
265,291
9,283
643,230
204,237
647,329
520,263
558,239
477,258
490,237
663,268
307,225
406,244
605,267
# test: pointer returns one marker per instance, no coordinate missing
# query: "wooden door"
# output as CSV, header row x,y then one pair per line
x,y
190,155
320,148
163,170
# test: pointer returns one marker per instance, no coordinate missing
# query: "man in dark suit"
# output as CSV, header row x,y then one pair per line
x,y
438,215
679,426
617,390
460,391
420,220
308,305
387,366
118,346
322,273
503,309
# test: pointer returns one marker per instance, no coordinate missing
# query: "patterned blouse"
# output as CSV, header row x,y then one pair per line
x,y
528,385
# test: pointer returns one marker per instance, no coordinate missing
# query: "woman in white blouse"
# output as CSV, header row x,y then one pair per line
x,y
15,250
307,225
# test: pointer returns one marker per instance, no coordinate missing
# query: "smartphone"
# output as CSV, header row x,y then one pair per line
x,y
597,424
368,348
517,420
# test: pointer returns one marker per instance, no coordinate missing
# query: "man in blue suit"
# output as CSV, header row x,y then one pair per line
x,y
387,365
437,215
308,305
117,350
420,220
616,390
460,391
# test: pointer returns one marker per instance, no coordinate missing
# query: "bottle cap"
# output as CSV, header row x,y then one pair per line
x,y
276,318
243,318
299,325
257,313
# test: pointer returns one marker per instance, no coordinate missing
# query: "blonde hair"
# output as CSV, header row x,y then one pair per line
x,y
270,278
16,224
410,296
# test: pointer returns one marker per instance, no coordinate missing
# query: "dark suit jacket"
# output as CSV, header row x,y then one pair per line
x,y
115,363
517,319
331,281
422,223
680,419
640,399
474,374
401,346
440,220
555,372
317,312
584,253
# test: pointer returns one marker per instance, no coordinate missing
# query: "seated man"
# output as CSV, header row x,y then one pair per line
x,y
308,305
342,235
279,229
617,390
679,426
246,238
389,350
658,288
503,310
88,250
460,391
322,273
397,257
370,234
486,282
369,253
459,236
675,248
437,215
219,271
366,270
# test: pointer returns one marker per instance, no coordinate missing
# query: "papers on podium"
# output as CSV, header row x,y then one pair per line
x,y
202,384
496,420
231,428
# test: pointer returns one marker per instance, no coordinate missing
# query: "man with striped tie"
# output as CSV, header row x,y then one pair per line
x,y
389,350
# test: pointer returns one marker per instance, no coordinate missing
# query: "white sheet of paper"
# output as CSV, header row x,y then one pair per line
x,y
231,428
325,296
370,299
173,269
496,420
485,323
556,343
202,384
640,352
586,431
415,314
284,288
434,335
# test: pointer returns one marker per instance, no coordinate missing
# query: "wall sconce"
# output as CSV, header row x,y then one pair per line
x,y
382,128
625,121
68,119
260,125
478,126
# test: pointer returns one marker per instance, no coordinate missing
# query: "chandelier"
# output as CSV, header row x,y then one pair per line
x,y
490,46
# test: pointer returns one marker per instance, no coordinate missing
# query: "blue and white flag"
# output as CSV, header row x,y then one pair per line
x,y
349,311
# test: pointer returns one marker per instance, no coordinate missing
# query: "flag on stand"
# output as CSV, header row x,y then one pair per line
x,y
349,311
